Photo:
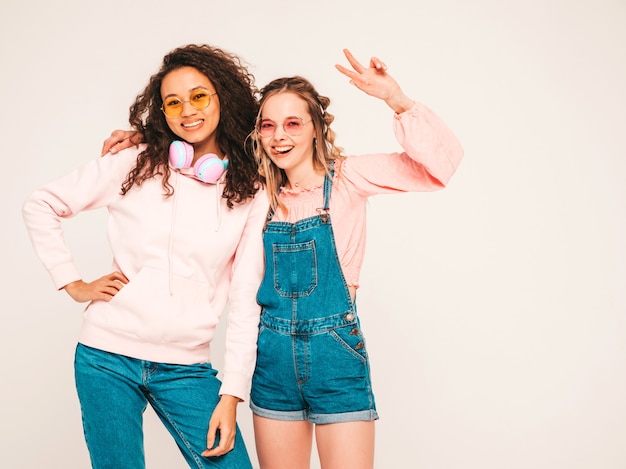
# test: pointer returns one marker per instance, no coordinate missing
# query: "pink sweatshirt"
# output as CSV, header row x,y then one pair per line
x,y
430,158
186,258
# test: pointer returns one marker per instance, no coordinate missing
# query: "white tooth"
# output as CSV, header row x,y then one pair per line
x,y
192,124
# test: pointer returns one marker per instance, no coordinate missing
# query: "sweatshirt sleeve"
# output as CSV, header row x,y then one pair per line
x,y
430,157
91,186
244,312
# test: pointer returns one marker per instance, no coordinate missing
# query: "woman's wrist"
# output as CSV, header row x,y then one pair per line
x,y
228,399
400,103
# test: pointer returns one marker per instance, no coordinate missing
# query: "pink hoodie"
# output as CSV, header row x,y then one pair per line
x,y
186,258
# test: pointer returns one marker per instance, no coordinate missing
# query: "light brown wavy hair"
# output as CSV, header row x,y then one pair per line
x,y
325,151
235,87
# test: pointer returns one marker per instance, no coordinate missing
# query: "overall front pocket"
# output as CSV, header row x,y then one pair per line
x,y
295,269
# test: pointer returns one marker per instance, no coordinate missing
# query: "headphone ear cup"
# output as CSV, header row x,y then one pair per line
x,y
180,154
209,168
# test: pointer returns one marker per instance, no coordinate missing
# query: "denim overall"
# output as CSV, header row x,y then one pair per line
x,y
312,363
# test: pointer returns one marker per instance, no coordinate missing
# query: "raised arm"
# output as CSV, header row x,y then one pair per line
x,y
431,150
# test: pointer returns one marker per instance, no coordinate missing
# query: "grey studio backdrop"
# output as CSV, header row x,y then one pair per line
x,y
494,310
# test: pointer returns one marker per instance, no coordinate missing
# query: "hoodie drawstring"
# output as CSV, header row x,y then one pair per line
x,y
218,195
170,248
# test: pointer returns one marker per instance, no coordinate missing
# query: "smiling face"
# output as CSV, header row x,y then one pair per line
x,y
292,153
196,126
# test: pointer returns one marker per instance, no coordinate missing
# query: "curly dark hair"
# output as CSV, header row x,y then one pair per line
x,y
235,87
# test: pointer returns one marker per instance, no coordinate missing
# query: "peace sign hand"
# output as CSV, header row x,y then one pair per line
x,y
375,81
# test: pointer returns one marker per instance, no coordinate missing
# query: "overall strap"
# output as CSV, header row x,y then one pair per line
x,y
328,184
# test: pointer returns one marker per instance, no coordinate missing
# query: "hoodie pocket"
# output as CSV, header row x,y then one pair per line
x,y
158,309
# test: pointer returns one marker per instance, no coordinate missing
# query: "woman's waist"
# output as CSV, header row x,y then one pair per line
x,y
308,325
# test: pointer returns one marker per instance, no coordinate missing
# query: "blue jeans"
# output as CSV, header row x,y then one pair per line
x,y
114,391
